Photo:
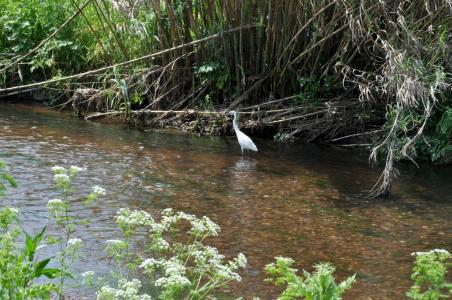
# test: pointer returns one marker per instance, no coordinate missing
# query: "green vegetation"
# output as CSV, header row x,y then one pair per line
x,y
319,285
338,68
429,275
5,179
19,267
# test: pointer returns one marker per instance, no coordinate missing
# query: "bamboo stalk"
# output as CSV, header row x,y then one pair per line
x,y
112,27
89,25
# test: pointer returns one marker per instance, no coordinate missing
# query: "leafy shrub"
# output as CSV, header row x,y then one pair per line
x,y
439,144
19,266
319,285
5,178
429,275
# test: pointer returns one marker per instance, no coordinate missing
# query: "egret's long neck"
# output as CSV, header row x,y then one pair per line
x,y
234,123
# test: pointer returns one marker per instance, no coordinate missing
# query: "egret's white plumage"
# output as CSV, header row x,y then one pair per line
x,y
245,142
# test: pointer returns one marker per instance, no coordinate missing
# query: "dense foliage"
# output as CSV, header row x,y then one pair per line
x,y
316,286
429,275
342,67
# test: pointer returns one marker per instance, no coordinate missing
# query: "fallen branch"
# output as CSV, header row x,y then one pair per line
x,y
270,102
149,111
354,145
299,117
356,134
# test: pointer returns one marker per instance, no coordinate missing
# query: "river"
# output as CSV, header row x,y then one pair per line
x,y
302,201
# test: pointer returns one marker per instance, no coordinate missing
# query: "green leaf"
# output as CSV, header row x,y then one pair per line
x,y
39,267
53,273
9,179
32,243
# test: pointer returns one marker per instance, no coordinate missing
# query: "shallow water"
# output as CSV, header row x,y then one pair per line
x,y
301,201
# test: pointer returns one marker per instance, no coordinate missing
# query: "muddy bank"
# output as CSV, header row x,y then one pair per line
x,y
335,121
338,118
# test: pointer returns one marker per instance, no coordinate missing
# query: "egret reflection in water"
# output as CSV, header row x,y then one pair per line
x,y
245,165
243,176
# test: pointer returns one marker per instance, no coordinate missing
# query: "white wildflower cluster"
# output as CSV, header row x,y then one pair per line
x,y
160,244
62,176
170,218
96,192
176,267
207,257
128,219
55,205
115,242
74,242
226,273
99,190
127,290
241,261
8,215
204,227
88,274
200,227
58,170
73,245
13,210
284,260
168,212
149,265
88,278
208,260
434,251
74,170
116,248
174,271
61,179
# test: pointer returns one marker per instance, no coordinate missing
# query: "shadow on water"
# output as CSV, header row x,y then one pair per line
x,y
302,201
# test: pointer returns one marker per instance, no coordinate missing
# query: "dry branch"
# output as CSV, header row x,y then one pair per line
x,y
271,102
299,117
148,111
355,135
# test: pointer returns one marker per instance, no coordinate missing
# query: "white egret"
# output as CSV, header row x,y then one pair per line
x,y
245,142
